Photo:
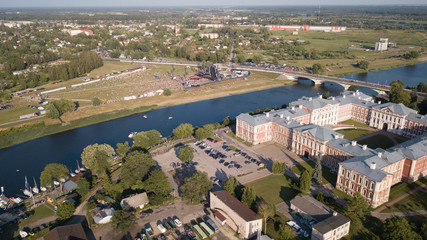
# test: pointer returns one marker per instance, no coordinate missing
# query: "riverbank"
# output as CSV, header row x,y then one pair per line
x,y
41,131
88,115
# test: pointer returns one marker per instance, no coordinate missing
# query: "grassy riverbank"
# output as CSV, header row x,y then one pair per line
x,y
19,137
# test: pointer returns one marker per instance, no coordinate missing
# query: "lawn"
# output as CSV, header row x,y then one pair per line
x,y
231,134
274,189
273,225
378,141
413,202
355,123
40,212
327,176
351,134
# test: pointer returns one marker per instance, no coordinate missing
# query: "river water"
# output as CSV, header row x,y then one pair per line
x,y
29,158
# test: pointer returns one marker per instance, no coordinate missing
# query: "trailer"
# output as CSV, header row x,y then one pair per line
x,y
199,232
207,229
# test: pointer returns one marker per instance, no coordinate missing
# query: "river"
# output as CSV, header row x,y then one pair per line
x,y
29,158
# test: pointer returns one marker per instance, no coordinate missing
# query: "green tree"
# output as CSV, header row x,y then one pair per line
x,y
51,172
186,154
123,220
363,64
83,187
266,211
88,154
398,228
398,94
304,181
249,196
57,108
196,188
423,106
317,68
257,58
115,53
320,197
326,95
422,87
65,211
317,173
285,232
353,88
279,167
96,101
147,139
231,184
167,92
102,162
227,121
412,55
122,148
275,61
157,187
357,208
183,130
136,165
204,132
240,58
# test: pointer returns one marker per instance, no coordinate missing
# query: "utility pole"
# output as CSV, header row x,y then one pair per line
x,y
318,15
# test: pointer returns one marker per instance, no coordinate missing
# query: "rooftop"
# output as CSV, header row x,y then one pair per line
x,y
312,207
67,232
235,205
135,200
399,109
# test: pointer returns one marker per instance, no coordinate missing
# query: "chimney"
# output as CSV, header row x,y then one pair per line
x,y
334,213
267,114
364,147
293,108
336,136
333,98
281,115
353,143
320,96
288,118
354,94
343,96
379,102
310,98
300,106
380,154
373,165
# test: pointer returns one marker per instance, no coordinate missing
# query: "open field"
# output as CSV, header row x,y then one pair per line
x,y
413,202
274,189
40,212
355,42
351,134
377,141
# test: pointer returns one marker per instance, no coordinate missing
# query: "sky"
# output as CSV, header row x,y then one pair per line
x,y
218,3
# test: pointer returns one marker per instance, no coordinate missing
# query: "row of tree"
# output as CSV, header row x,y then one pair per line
x,y
86,62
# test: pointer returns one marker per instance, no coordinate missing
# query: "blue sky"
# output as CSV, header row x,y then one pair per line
x,y
151,3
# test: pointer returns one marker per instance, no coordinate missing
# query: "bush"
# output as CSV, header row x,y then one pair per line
x,y
186,154
167,92
96,101
279,168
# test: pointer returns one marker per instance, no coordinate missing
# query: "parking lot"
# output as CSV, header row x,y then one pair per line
x,y
215,158
181,210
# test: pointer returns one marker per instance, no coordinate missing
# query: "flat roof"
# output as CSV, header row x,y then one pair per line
x,y
235,205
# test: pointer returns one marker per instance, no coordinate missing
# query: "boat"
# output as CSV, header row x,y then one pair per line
x,y
27,190
56,183
77,171
145,116
72,174
170,118
132,134
35,188
16,200
43,189
62,179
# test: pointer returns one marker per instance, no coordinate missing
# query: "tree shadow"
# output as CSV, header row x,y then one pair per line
x,y
127,236
268,162
220,174
183,173
287,193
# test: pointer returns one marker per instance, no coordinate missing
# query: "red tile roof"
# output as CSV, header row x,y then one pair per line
x,y
235,205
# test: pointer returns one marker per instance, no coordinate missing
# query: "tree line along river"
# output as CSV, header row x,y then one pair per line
x,y
29,158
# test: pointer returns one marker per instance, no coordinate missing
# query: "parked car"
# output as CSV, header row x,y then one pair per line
x,y
147,212
221,161
161,228
178,222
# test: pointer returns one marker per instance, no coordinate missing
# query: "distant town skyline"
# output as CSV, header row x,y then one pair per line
x,y
183,3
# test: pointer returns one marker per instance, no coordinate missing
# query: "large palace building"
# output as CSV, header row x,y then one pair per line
x,y
304,128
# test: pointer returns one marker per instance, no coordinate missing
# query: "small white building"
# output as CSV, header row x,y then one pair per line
x,y
135,201
381,45
102,216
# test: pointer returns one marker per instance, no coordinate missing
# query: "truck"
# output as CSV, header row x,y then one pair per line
x,y
211,224
199,231
207,229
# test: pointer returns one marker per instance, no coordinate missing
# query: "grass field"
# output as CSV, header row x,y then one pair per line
x,y
377,141
327,176
413,202
40,212
351,134
274,189
355,123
